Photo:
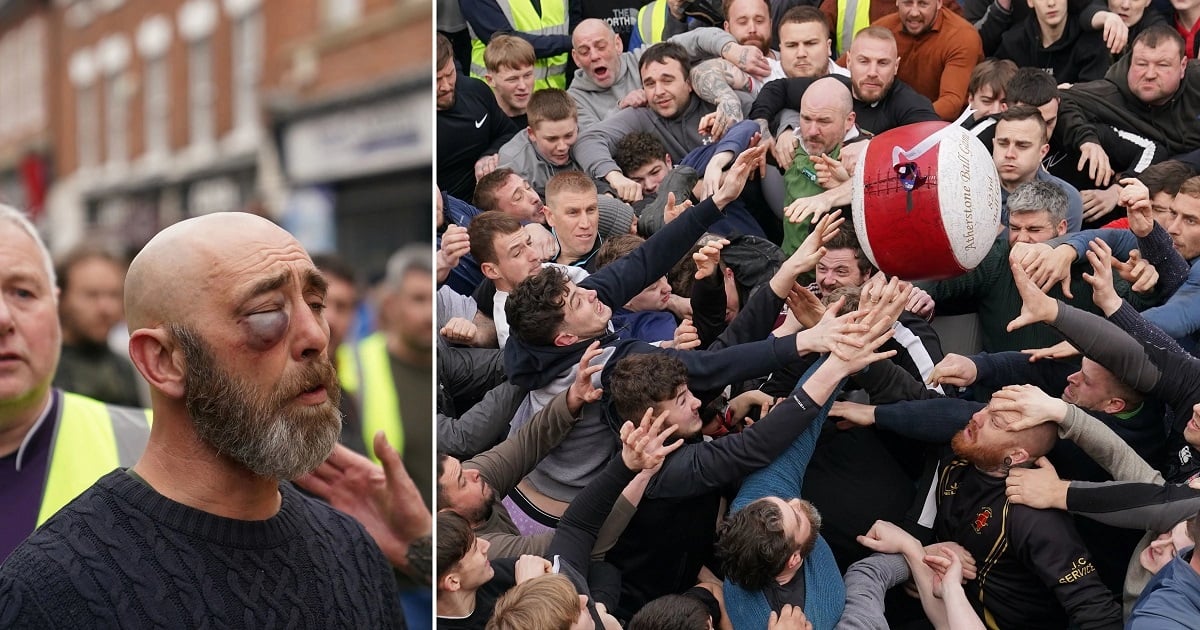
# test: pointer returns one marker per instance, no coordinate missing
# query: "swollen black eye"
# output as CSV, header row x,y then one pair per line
x,y
265,329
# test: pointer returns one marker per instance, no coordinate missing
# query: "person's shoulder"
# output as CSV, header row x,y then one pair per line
x,y
337,528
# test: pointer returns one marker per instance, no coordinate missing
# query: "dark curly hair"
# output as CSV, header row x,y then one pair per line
x,y
845,238
753,546
638,149
535,307
642,380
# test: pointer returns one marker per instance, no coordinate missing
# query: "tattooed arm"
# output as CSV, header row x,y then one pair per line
x,y
714,81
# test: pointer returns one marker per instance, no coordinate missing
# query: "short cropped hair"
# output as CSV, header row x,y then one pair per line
x,y
569,181
412,257
483,230
876,32
725,4
640,381
638,149
1166,176
535,307
454,540
992,73
550,104
487,189
334,266
661,52
1039,196
508,51
546,602
615,248
1190,187
1158,34
845,238
445,51
804,14
1031,86
1024,112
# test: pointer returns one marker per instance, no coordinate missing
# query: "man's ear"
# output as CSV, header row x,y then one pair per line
x,y
1018,456
1114,406
795,560
487,78
490,271
565,339
156,356
1061,228
450,583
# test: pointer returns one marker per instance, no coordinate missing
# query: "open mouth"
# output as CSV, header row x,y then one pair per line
x,y
314,395
600,71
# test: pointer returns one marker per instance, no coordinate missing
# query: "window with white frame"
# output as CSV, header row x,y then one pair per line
x,y
247,68
155,91
340,13
200,92
87,125
116,114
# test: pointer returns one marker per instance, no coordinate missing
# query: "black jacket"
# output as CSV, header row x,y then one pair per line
x,y
900,106
1076,56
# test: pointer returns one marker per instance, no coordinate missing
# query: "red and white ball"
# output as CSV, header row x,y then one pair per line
x,y
938,216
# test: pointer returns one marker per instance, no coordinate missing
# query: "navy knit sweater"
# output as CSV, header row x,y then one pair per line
x,y
122,555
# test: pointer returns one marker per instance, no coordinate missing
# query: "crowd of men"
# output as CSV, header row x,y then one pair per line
x,y
673,390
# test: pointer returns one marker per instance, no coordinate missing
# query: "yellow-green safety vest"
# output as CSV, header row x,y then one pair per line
x,y
90,440
366,374
853,16
651,21
549,72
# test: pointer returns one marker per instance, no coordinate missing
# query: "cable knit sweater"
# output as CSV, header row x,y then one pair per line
x,y
122,555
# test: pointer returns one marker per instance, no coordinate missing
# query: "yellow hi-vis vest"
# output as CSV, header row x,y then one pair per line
x,y
90,440
366,374
651,20
853,16
549,72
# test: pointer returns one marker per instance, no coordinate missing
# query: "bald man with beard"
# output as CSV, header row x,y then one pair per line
x,y
226,325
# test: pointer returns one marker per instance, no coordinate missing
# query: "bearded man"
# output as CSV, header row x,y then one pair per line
x,y
1033,570
226,325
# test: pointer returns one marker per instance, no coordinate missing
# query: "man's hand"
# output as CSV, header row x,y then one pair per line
x,y
964,556
920,303
947,570
1045,265
672,210
884,298
785,148
748,59
1097,203
789,618
455,245
680,306
852,414
708,258
1094,157
1103,294
886,537
543,242
628,190
805,207
1116,33
1034,406
686,336
740,405
636,98
805,258
581,390
459,331
805,307
485,165
1060,350
954,369
1038,487
714,171
643,447
832,329
830,172
1137,271
1036,307
749,161
383,499
1136,199
729,112
528,567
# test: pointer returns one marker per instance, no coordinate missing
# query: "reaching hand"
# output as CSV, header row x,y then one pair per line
x,y
954,369
529,566
636,98
1060,350
748,59
1116,33
852,414
1036,307
884,299
1038,487
805,307
947,569
1044,264
746,163
485,165
920,303
805,207
965,558
1093,156
1105,297
383,499
832,329
740,405
785,148
831,172
581,390
672,210
708,258
628,190
455,244
806,256
1136,199
1034,406
789,618
643,447
1099,202
1137,271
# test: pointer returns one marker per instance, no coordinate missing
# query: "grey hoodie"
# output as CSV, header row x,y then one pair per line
x,y
598,103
